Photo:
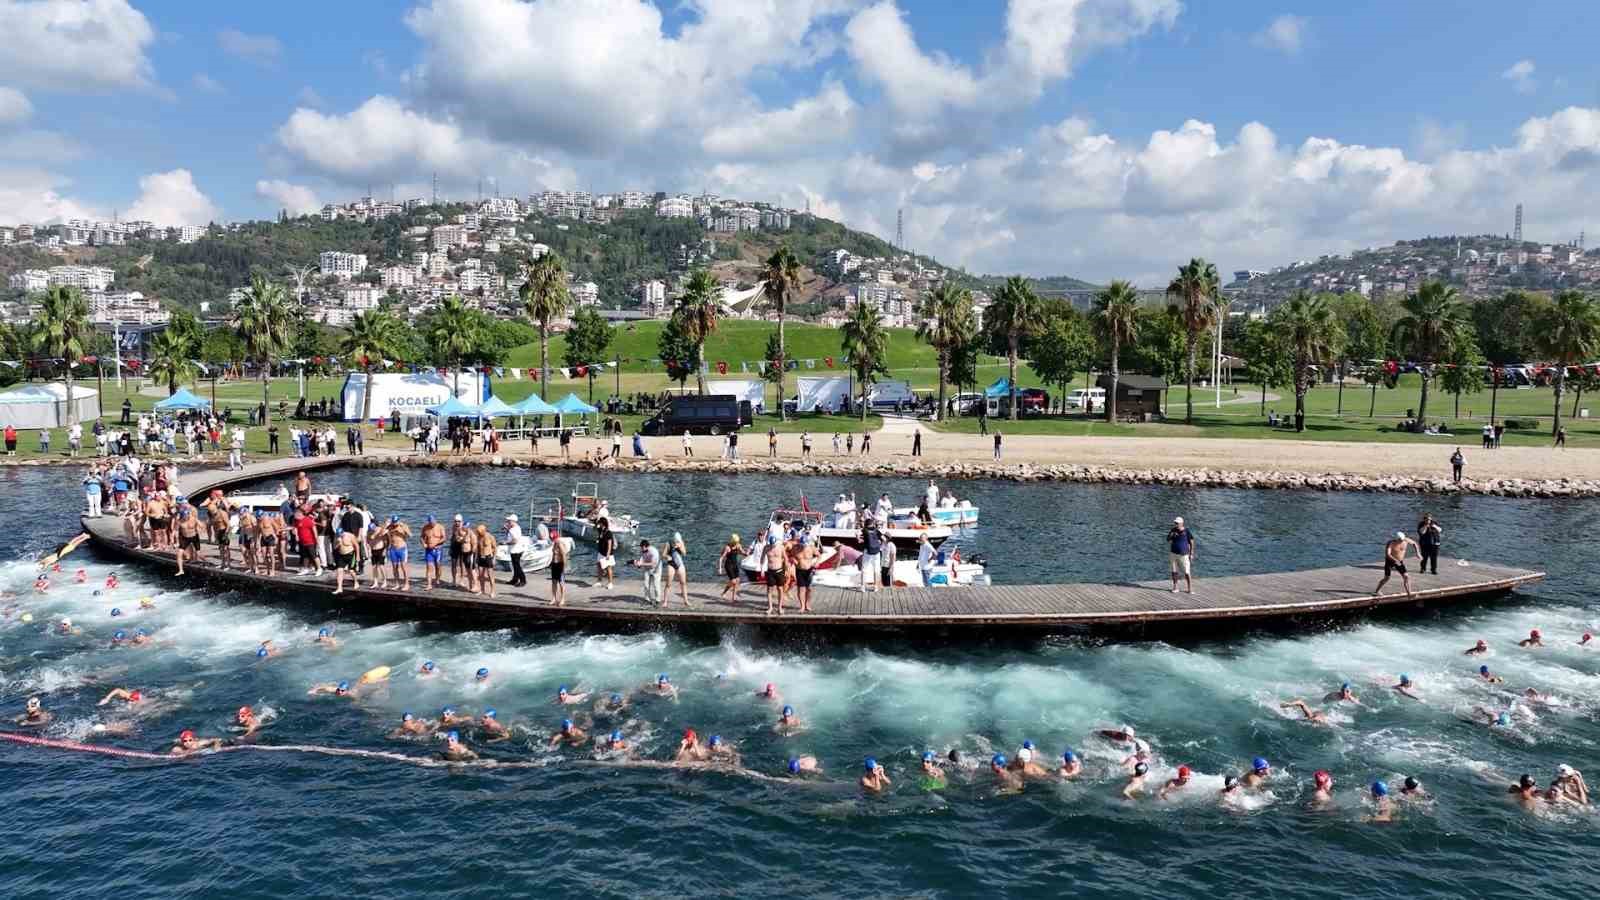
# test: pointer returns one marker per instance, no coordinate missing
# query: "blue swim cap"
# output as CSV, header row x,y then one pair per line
x,y
1379,789
871,763
998,760
616,736
447,711
140,632
96,590
927,756
454,736
430,520
1259,764
483,673
427,665
662,678
1483,670
116,611
261,652
1069,756
1027,745
406,717
1504,719
488,713
562,689
394,520
616,698
1344,687
716,740
794,766
788,710
322,632
344,685
119,635
1404,678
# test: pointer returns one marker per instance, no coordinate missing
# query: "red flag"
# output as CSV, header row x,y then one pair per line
x,y
828,360
722,368
582,371
804,507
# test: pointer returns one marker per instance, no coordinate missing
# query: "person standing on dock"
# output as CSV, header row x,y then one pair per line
x,y
649,562
1181,544
432,552
1429,537
398,534
516,545
558,570
1394,560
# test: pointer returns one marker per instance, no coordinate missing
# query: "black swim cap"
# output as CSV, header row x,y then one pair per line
x,y
1411,783
955,756
1527,780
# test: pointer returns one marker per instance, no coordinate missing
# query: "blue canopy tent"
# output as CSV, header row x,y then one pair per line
x,y
454,408
572,403
999,389
183,399
494,406
534,405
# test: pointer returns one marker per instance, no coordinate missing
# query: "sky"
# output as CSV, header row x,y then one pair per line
x,y
1095,138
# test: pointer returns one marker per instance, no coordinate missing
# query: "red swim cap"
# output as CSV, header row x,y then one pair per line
x,y
245,712
1322,776
1534,633
187,735
1183,771
688,734
135,696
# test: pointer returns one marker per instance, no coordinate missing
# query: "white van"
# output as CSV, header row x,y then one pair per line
x,y
1081,396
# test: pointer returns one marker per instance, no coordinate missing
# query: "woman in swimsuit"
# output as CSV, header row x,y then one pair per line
x,y
732,553
677,568
484,545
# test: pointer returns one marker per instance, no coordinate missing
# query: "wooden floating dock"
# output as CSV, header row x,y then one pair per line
x,y
1234,599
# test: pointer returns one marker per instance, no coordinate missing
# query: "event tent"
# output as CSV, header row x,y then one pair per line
x,y
494,406
1000,388
534,405
454,408
184,399
572,403
31,406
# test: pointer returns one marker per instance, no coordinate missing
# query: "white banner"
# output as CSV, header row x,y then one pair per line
x,y
822,392
752,389
410,393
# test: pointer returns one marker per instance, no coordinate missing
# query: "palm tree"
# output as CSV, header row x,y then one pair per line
x,y
945,323
452,336
1116,319
1195,289
1314,336
544,299
170,358
697,312
1431,320
1017,314
263,320
781,283
1569,333
865,343
372,337
62,329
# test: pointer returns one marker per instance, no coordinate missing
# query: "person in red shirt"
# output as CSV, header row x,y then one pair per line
x,y
11,440
305,529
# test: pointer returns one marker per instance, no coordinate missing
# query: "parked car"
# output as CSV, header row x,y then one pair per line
x,y
1033,402
1081,396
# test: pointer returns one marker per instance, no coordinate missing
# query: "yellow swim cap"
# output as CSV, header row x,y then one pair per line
x,y
27,617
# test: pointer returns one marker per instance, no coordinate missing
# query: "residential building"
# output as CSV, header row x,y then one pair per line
x,y
775,219
188,234
30,280
675,208
447,236
585,293
363,296
653,298
341,265
475,280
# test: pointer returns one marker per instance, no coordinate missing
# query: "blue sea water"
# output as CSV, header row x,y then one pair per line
x,y
254,823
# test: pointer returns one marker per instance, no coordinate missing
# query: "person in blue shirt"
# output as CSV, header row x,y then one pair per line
x,y
1181,542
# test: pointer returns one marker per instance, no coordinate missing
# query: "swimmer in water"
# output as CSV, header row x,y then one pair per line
x,y
770,693
33,714
326,639
141,638
569,734
1314,716
788,722
1382,806
1586,640
661,687
1478,649
1405,687
454,750
565,697
720,751
340,689
411,726
427,669
490,725
1022,763
146,603
1140,754
803,765
1569,785
41,585
1259,771
119,637
932,776
1135,785
874,780
65,627
1536,698
1534,639
611,704
449,719
1123,736
1412,789
247,720
188,743
616,741
1526,790
1342,695
1071,766
1485,675
1322,793
265,649
1231,789
482,676
1176,783
133,696
81,576
689,748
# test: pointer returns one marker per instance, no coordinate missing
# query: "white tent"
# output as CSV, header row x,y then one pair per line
x,y
29,406
822,392
412,393
752,389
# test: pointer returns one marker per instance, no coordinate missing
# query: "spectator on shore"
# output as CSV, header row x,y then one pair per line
x,y
1457,463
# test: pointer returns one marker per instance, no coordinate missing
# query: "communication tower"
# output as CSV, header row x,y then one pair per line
x,y
1516,231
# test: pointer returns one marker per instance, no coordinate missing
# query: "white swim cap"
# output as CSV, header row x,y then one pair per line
x,y
1025,755
1399,535
1566,771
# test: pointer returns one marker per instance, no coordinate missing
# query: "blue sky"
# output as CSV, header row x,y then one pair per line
x,y
1100,138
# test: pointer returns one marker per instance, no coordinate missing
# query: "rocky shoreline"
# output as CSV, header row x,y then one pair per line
x,y
903,467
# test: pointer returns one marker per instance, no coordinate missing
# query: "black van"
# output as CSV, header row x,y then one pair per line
x,y
710,414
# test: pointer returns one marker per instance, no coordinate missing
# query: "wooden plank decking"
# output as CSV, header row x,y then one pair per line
x,y
1316,592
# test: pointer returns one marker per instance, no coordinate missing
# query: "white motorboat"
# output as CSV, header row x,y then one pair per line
x,y
950,515
535,559
840,567
581,520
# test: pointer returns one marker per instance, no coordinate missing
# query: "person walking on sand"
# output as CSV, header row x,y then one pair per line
x,y
916,442
1457,463
1429,536
1561,437
996,443
772,442
1394,560
1181,544
688,443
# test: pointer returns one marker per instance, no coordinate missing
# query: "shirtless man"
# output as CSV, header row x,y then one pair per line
x,y
247,720
803,765
249,539
776,562
662,687
874,780
1258,774
720,751
1135,785
399,533
1314,716
565,697
490,724
1405,687
33,715
689,748
1478,649
770,693
1394,560
1071,766
1570,785
1485,675
1323,791
569,734
188,743
271,541
378,547
805,561
1176,783
1023,763
411,726
1526,790
133,696
454,750
326,639
188,536
155,511
345,550
788,722
433,538
1534,639
1382,806
449,719
1342,695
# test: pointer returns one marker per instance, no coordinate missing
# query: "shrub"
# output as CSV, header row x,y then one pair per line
x,y
1521,424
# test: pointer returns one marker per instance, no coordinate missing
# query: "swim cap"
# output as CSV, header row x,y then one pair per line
x,y
1344,687
453,736
1322,776
47,581
794,766
344,685
562,689
688,734
322,632
662,678
1024,755
1027,745
999,760
1526,780
566,724
430,520
1141,769
1400,535
1566,771
261,652
1069,756
488,713
1503,720
1229,781
119,635
871,764
140,632
406,717
1379,789
1412,783
483,673
1183,771
116,611
1405,679
394,520
927,756
616,736
1259,764
448,711
769,688
1483,670
788,710
427,665
616,698
135,696
243,713
716,740
1534,633
187,735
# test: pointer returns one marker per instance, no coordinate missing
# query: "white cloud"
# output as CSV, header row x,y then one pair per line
x,y
262,49
76,45
1285,33
1520,74
825,118
206,84
14,106
34,196
172,198
296,198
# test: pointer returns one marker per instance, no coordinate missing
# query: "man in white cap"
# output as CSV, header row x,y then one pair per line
x,y
1181,543
516,545
844,513
1569,785
1394,560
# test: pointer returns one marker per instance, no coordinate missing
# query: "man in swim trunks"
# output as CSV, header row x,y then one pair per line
x,y
399,533
776,564
188,536
302,487
460,560
1394,560
433,538
805,562
570,734
188,743
875,779
558,570
155,511
377,548
345,551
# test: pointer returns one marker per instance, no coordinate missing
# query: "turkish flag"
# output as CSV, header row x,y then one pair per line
x,y
722,368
